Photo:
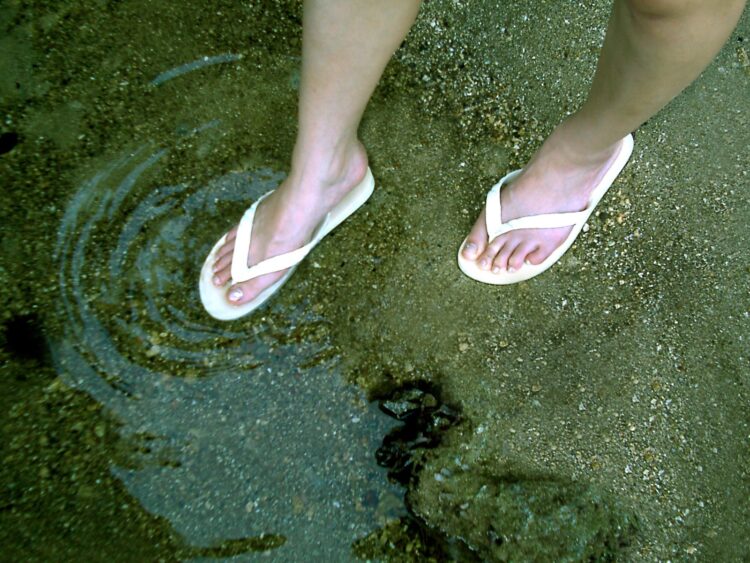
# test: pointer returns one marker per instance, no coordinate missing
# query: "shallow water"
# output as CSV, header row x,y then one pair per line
x,y
136,427
243,441
247,435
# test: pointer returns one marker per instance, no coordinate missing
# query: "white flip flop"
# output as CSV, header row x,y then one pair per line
x,y
214,298
495,226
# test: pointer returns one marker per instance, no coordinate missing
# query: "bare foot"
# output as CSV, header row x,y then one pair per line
x,y
287,218
558,179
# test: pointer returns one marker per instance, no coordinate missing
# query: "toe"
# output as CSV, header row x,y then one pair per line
x,y
476,240
221,277
500,261
241,293
536,256
517,259
223,263
487,259
228,246
222,270
237,294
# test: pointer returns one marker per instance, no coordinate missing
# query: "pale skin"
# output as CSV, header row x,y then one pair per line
x,y
653,49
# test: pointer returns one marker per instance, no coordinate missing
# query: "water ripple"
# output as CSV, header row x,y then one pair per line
x,y
242,439
194,65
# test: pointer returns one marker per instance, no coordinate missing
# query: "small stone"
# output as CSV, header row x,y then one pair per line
x,y
298,504
85,491
535,388
463,347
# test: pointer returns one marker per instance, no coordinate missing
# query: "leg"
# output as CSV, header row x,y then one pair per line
x,y
653,49
346,45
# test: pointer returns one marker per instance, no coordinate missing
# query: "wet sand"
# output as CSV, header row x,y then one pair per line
x,y
616,384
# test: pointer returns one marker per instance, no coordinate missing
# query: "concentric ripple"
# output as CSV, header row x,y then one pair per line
x,y
243,441
128,269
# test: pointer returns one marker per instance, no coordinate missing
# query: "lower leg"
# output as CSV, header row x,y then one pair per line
x,y
652,51
346,45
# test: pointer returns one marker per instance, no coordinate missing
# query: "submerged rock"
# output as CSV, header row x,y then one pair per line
x,y
424,420
8,141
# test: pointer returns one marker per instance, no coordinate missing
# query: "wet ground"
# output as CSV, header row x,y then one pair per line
x,y
604,405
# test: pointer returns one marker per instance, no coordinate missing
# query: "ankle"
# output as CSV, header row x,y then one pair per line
x,y
328,166
580,142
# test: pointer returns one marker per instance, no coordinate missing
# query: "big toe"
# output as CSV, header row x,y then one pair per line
x,y
476,241
241,293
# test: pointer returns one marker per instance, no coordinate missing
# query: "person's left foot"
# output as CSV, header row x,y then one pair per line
x,y
555,181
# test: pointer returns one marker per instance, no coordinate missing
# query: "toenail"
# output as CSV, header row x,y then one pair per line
x,y
235,294
470,248
496,270
217,281
511,270
485,263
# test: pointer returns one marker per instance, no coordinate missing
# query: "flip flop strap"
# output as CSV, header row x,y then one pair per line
x,y
545,221
241,272
492,211
496,227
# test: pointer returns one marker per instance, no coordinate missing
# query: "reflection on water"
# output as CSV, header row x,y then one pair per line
x,y
194,65
243,430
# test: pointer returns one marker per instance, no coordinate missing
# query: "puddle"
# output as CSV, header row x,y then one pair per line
x,y
242,430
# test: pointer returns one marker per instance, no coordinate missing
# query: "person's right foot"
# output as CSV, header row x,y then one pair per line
x,y
287,218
